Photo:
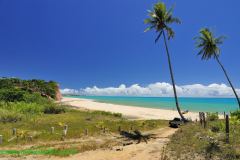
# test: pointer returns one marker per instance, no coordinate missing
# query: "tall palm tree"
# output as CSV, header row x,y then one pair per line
x,y
160,19
208,45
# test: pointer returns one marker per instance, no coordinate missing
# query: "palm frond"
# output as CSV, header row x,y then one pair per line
x,y
170,32
208,44
159,35
170,11
160,19
175,20
147,20
149,28
220,39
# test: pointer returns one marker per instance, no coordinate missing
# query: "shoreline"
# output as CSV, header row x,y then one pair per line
x,y
130,112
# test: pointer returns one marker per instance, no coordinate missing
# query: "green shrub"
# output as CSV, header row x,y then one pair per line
x,y
22,107
34,98
11,95
212,116
47,88
117,115
107,113
16,111
215,129
54,109
236,114
16,95
28,108
9,116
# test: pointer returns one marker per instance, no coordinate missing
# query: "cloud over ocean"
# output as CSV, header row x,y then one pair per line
x,y
160,89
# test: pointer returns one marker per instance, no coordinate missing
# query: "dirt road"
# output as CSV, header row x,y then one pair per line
x,y
150,151
142,151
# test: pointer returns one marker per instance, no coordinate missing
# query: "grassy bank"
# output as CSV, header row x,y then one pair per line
x,y
193,141
39,127
44,142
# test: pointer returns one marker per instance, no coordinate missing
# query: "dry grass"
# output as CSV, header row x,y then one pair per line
x,y
192,141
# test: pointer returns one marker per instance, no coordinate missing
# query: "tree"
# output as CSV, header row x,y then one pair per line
x,y
209,48
160,20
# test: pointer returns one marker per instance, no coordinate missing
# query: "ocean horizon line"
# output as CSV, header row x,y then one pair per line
x,y
66,95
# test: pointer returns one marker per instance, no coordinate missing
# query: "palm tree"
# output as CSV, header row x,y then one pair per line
x,y
208,45
159,19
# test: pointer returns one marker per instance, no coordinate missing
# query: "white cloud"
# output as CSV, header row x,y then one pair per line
x,y
69,91
161,89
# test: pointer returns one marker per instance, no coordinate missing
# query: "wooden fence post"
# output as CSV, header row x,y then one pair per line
x,y
64,132
224,115
1,139
30,138
200,118
14,131
65,127
227,128
204,120
52,130
104,130
86,132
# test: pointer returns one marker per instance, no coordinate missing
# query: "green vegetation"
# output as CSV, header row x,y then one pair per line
x,y
24,99
192,141
14,89
107,113
209,48
17,111
212,116
39,127
52,152
160,20
236,114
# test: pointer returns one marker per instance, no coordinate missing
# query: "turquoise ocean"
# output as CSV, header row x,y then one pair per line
x,y
192,104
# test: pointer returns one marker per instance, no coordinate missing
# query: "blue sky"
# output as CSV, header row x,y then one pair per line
x,y
82,43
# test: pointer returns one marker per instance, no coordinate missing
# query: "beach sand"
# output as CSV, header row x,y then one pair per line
x,y
130,112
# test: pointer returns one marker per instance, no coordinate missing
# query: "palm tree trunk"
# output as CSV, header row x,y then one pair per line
x,y
172,78
225,72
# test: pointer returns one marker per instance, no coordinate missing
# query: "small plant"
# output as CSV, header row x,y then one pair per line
x,y
9,116
212,116
117,115
236,114
108,113
215,129
12,95
211,148
54,109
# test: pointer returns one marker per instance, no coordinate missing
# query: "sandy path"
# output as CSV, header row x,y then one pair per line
x,y
142,151
128,111
150,151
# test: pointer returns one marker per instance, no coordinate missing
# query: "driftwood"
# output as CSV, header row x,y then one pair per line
x,y
137,135
11,139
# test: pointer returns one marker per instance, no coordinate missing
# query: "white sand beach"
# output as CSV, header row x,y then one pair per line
x,y
132,112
